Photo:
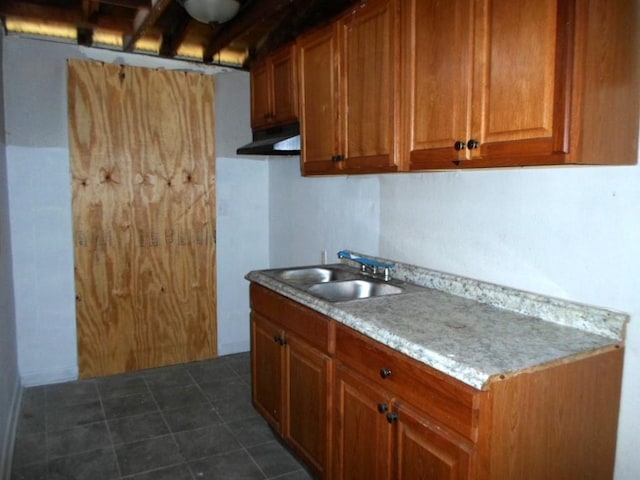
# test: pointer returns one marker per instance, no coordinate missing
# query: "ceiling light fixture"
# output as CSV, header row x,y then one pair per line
x,y
211,11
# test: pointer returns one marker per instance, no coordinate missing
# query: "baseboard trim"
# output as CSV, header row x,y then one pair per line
x,y
6,456
59,375
235,347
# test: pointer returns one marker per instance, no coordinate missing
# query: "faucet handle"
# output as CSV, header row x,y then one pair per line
x,y
387,274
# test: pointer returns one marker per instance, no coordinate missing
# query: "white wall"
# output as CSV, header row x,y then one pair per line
x,y
312,214
9,379
40,203
242,211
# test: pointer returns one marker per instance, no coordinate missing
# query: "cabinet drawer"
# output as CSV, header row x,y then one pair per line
x,y
315,328
448,401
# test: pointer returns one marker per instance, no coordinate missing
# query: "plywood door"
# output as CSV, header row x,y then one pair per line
x,y
143,173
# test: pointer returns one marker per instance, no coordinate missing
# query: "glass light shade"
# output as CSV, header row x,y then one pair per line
x,y
208,11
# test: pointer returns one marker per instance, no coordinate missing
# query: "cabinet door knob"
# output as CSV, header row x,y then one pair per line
x,y
276,338
392,417
471,144
385,372
383,407
459,145
337,158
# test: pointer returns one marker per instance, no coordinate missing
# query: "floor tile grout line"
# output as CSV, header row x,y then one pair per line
x,y
153,397
231,374
106,422
46,431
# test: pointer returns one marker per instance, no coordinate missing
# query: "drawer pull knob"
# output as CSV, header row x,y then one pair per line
x,y
383,407
385,372
392,417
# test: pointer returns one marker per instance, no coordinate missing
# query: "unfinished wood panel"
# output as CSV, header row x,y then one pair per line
x,y
143,173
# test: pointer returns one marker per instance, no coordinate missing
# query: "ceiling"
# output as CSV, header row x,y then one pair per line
x,y
163,28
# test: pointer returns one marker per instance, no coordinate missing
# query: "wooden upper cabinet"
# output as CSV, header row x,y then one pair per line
x,y
348,77
274,92
502,83
368,93
484,80
520,72
318,56
437,60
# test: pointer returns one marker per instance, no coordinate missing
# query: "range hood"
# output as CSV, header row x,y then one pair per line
x,y
283,140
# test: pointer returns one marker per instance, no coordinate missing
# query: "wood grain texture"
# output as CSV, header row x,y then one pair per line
x,y
363,437
424,450
143,173
369,65
307,425
437,78
559,422
267,363
318,70
606,78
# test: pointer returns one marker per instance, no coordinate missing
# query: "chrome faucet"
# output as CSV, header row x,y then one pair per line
x,y
370,267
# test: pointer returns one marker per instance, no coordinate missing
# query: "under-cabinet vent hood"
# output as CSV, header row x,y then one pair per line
x,y
284,140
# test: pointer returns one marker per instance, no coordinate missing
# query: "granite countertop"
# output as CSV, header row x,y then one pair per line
x,y
473,331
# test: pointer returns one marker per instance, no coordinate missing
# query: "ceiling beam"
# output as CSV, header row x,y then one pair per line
x,y
172,39
250,15
129,42
129,3
39,13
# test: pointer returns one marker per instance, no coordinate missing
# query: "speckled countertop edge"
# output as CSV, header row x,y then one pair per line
x,y
362,319
596,320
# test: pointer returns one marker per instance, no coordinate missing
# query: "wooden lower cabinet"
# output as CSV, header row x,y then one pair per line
x,y
362,438
424,449
267,359
352,408
378,437
291,378
306,389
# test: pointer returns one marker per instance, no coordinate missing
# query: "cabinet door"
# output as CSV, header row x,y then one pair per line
x,y
306,424
260,95
267,362
284,86
437,67
369,62
362,432
425,450
521,78
318,59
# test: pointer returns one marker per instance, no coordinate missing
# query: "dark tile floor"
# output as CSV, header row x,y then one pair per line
x,y
184,422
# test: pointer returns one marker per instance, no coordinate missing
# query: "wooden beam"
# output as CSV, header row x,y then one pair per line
x,y
85,36
89,10
129,3
149,20
39,13
253,14
172,40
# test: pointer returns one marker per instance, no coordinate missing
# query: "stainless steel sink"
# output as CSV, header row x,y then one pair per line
x,y
311,275
342,291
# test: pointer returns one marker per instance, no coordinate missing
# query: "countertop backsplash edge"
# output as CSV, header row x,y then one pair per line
x,y
591,319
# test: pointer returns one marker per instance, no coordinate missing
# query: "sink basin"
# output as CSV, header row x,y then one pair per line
x,y
310,275
342,291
